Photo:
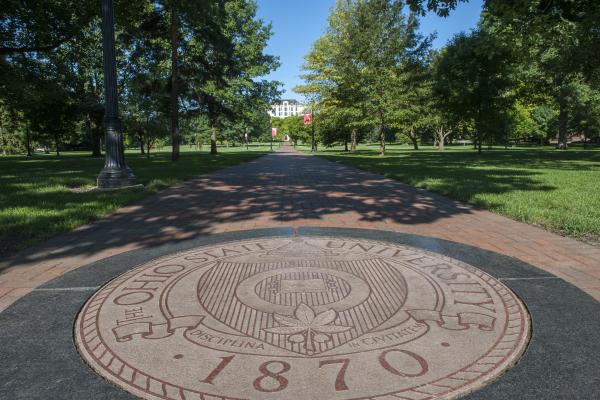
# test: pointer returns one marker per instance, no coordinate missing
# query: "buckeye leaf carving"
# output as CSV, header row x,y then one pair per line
x,y
307,327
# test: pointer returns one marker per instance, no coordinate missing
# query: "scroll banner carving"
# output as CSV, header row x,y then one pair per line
x,y
149,330
458,322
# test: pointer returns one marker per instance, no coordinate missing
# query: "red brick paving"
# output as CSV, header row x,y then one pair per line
x,y
290,189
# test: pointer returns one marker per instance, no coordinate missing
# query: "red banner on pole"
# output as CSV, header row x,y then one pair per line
x,y
307,119
273,132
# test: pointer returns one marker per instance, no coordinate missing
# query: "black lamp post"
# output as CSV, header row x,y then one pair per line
x,y
116,173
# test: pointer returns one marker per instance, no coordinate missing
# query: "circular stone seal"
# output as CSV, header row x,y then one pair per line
x,y
302,318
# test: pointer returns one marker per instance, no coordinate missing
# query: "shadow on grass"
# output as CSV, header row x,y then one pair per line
x,y
463,179
555,189
44,196
464,173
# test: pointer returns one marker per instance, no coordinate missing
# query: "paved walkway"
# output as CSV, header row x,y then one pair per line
x,y
291,189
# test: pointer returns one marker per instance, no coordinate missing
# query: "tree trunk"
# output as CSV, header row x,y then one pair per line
x,y
440,138
93,134
413,138
353,139
213,140
345,143
88,133
562,124
27,139
141,138
96,143
148,146
57,144
382,140
175,138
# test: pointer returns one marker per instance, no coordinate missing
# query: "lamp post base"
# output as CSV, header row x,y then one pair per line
x,y
114,178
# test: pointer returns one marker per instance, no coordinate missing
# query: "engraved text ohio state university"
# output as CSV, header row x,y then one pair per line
x,y
302,318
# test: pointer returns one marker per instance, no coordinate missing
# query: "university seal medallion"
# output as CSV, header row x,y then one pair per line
x,y
302,318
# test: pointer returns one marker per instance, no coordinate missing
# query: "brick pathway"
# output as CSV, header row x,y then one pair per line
x,y
290,189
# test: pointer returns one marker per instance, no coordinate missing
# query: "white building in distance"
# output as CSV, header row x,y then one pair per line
x,y
286,108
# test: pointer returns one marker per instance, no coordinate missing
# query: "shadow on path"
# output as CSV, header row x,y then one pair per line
x,y
282,187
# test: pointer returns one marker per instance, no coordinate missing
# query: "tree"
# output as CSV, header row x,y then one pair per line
x,y
9,124
331,81
361,70
260,124
585,112
473,81
147,76
545,121
293,126
84,58
559,42
441,7
179,60
230,84
53,68
521,122
440,123
441,133
54,119
174,109
174,30
412,111
171,27
387,47
145,127
28,26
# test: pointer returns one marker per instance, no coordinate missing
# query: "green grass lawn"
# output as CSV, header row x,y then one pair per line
x,y
44,196
558,190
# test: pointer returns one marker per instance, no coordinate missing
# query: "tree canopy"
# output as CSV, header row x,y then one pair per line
x,y
178,62
528,72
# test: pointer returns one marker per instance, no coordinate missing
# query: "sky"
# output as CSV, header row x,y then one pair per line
x,y
297,24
